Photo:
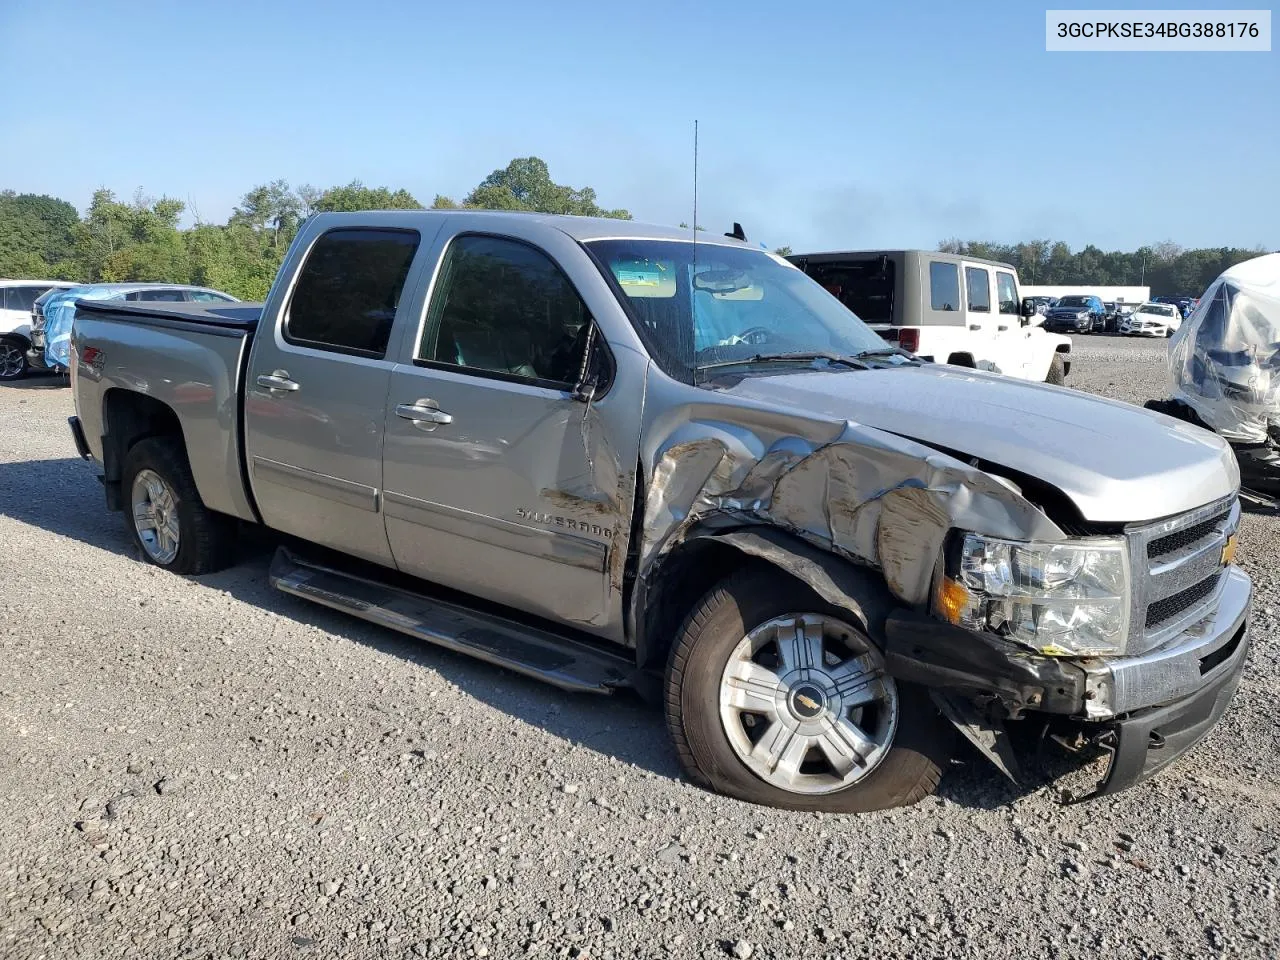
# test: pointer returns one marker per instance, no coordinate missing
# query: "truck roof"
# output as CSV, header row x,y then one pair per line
x,y
895,254
580,228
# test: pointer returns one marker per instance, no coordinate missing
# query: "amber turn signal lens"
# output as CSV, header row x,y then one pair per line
x,y
951,599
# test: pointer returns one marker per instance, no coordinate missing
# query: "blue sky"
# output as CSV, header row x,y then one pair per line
x,y
823,125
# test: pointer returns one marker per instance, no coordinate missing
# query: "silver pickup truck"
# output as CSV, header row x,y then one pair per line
x,y
607,456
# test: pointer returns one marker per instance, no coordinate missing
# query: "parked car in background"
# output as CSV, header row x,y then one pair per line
x,y
944,307
1110,317
52,313
1123,310
1076,313
1152,320
16,300
636,462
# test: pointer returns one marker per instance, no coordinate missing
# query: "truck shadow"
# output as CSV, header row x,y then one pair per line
x,y
64,497
37,381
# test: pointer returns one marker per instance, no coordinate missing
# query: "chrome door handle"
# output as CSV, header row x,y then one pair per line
x,y
1002,328
278,380
975,326
424,413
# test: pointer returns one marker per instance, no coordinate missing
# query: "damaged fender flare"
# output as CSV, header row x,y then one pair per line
x,y
840,582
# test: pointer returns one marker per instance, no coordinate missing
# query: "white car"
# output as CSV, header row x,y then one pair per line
x,y
16,298
1152,320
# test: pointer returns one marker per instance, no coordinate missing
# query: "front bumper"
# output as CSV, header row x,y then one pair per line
x,y
1145,710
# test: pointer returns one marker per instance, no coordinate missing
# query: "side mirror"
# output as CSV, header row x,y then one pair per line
x,y
1028,307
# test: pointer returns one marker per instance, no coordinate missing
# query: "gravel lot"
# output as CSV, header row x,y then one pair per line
x,y
207,768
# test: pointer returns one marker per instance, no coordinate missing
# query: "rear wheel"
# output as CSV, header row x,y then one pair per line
x,y
13,359
169,523
775,697
1057,371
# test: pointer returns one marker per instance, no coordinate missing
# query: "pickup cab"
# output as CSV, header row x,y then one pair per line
x,y
945,307
616,456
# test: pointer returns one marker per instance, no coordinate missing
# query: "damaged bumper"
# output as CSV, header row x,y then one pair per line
x,y
1146,711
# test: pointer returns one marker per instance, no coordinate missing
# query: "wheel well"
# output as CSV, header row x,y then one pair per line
x,y
698,564
1065,350
128,417
961,360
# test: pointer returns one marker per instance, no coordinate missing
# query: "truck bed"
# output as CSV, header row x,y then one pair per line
x,y
241,318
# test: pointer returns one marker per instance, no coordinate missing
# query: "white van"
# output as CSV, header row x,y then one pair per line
x,y
16,300
945,307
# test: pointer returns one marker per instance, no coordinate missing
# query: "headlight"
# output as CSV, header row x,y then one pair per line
x,y
1062,599
1082,315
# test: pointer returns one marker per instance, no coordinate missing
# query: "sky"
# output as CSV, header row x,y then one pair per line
x,y
823,125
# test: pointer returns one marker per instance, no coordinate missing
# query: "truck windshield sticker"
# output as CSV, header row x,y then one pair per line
x,y
645,278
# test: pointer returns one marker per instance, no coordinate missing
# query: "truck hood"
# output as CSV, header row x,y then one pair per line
x,y
1116,462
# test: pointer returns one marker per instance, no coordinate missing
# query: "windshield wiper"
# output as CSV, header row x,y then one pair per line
x,y
884,352
807,356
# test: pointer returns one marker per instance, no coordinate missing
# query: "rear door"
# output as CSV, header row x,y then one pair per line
x,y
500,482
316,389
980,320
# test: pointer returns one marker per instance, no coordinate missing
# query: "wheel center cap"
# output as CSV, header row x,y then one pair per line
x,y
807,701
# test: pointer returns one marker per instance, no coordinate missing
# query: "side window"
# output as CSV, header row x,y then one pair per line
x,y
944,285
347,292
1007,293
161,296
21,298
204,296
503,307
978,281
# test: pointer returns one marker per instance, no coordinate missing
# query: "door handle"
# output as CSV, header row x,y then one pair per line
x,y
975,326
1002,328
278,380
424,413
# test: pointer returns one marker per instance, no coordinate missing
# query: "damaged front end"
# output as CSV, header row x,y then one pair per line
x,y
1115,681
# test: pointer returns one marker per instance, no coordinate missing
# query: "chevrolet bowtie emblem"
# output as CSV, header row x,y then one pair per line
x,y
807,701
1229,548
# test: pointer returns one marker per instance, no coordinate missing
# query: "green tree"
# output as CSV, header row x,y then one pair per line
x,y
273,207
525,184
356,196
35,236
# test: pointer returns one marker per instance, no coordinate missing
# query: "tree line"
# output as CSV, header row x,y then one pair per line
x,y
43,237
1168,269
140,239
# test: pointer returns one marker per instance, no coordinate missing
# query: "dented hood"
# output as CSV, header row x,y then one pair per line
x,y
1116,462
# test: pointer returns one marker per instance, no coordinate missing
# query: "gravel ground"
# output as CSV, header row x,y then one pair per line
x,y
206,768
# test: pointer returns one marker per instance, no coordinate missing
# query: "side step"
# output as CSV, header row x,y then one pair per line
x,y
566,663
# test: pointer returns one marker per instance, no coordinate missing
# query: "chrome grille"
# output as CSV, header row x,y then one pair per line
x,y
1177,571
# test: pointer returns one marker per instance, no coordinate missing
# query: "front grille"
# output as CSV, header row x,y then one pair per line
x,y
1162,611
1177,567
1174,542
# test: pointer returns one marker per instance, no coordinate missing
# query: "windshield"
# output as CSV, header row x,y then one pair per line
x,y
1159,308
1073,302
697,305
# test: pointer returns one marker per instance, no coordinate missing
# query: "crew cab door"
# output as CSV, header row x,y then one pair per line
x,y
316,389
499,481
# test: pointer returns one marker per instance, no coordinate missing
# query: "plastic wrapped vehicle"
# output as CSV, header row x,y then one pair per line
x,y
1224,367
1224,361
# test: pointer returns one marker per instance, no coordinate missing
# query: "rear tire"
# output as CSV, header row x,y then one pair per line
x,y
165,515
1057,374
13,359
898,759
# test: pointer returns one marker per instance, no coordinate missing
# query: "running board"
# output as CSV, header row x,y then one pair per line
x,y
541,654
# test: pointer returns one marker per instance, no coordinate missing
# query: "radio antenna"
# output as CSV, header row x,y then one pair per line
x,y
695,194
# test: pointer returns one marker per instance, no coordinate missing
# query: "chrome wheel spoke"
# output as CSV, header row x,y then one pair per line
x,y
844,746
858,681
800,644
155,516
144,516
782,750
750,687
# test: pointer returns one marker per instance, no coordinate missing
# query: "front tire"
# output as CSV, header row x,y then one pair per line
x,y
775,697
1057,374
165,515
13,360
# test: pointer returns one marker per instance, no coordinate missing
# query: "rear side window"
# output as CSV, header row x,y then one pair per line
x,y
864,286
978,281
1007,293
205,296
346,296
944,285
160,296
20,298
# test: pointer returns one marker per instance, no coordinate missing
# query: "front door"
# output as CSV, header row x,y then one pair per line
x,y
980,319
499,481
316,388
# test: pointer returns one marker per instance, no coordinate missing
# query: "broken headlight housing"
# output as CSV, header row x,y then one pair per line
x,y
1061,599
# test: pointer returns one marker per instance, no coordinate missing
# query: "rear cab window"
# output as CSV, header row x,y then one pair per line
x,y
348,290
